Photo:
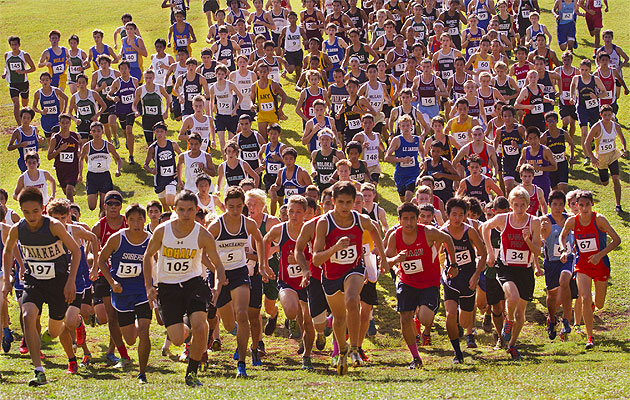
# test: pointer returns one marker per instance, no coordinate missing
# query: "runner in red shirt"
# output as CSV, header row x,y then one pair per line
x,y
592,266
338,247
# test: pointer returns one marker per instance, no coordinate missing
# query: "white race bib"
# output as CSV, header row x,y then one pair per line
x,y
58,69
127,99
399,67
409,163
266,106
462,257
129,270
525,13
334,58
176,267
538,109
518,257
520,83
294,271
605,147
454,31
84,110
567,16
131,57
168,170
560,157
483,65
482,16
75,69
510,150
587,245
427,101
354,123
439,185
345,256
231,257
151,110
325,178
15,66
556,250
372,157
182,42
447,74
591,103
412,267
597,3
273,168
488,110
310,26
51,110
41,270
66,156
565,95
288,192
250,155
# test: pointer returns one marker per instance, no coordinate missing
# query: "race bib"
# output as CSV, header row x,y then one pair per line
x,y
373,157
560,157
597,3
28,149
231,257
396,16
273,168
472,50
325,178
483,65
259,30
182,42
66,156
520,83
41,270
565,95
310,26
15,66
246,51
129,270
556,250
168,170
458,95
345,256
538,173
84,110
567,16
75,69
587,245
605,147
288,192
454,31
439,185
447,74
51,110
518,257
127,99
409,163
538,109
608,95
151,110
461,137
98,166
58,69
176,267
525,13
510,150
412,267
131,57
191,96
337,107
294,271
482,16
399,67
427,101
354,124
250,155
488,110
462,257
591,103
334,58
266,106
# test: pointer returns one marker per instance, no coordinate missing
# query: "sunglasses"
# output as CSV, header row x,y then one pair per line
x,y
113,204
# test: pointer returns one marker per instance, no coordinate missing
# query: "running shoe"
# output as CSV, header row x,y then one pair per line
x,y
111,358
39,379
364,356
131,160
123,363
81,333
233,331
578,328
46,336
23,346
256,362
261,349
191,379
240,370
371,329
426,340
166,352
300,350
506,333
618,209
334,360
458,359
516,356
235,356
86,361
270,326
587,162
328,330
216,345
184,356
142,378
41,355
294,329
342,364
470,341
320,342
460,329
73,368
566,329
355,359
307,364
590,343
416,363
551,328
7,339
487,323
203,363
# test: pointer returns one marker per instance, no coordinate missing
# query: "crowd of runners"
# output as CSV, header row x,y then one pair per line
x,y
465,99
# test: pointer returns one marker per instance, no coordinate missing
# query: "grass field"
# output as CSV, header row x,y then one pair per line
x,y
550,370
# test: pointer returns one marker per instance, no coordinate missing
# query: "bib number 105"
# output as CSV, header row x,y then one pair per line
x,y
177,267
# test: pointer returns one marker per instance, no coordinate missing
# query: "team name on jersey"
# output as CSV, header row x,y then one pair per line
x,y
134,257
180,253
43,253
165,155
415,252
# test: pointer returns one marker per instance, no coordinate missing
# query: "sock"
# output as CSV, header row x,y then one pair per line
x,y
123,351
40,369
413,348
455,344
330,321
193,366
418,327
6,331
335,348
73,359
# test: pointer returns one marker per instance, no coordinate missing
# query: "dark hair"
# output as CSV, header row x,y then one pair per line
x,y
136,208
533,130
510,108
160,41
272,127
83,76
456,202
347,188
408,207
371,66
27,110
195,136
354,145
474,158
4,194
551,114
182,50
31,193
45,74
206,51
557,195
310,202
501,203
154,203
234,192
73,37
165,216
201,178
14,39
289,151
31,155
585,194
605,108
186,195
474,205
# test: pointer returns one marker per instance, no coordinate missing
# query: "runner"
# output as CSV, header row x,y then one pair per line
x,y
98,49
403,152
291,43
55,58
292,179
234,170
191,84
24,137
102,80
181,243
324,159
316,124
122,93
88,106
557,140
520,247
35,177
566,13
270,159
16,73
164,153
133,50
537,200
593,15
477,184
371,147
154,103
592,263
199,123
606,157
53,102
265,94
77,59
243,78
250,142
195,162
225,49
443,172
338,247
64,149
510,138
221,95
486,152
181,32
50,276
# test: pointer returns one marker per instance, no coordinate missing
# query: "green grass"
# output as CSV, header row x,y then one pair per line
x,y
562,370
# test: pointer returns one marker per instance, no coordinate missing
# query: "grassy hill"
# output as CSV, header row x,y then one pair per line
x,y
562,370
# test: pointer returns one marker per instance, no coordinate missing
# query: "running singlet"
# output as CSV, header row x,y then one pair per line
x,y
231,246
421,268
250,147
344,260
45,257
290,274
291,185
179,259
589,241
514,251
165,165
551,249
406,172
126,265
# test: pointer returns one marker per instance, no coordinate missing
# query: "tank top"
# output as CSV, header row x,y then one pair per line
x,y
346,259
32,143
520,74
548,86
224,99
39,182
292,40
82,280
610,85
279,20
352,119
179,259
567,13
551,248
75,65
151,101
589,240
584,92
244,85
234,176
191,89
410,149
358,174
314,142
98,160
86,108
45,257
265,98
325,168
291,185
165,164
361,54
130,55
446,64
225,54
457,91
443,188
160,73
209,206
477,191
605,142
231,246
272,167
258,27
108,80
557,146
274,69
58,62
337,95
181,40
447,148
535,99
307,107
336,54
514,251
310,20
474,41
250,147
534,202
465,255
68,158
487,101
460,130
290,274
541,178
107,231
193,168
179,71
126,94
126,264
16,63
95,53
427,92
